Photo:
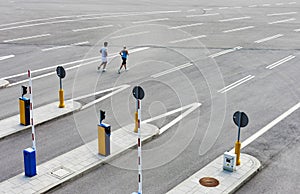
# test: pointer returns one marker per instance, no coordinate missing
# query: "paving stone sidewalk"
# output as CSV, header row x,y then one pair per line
x,y
76,162
42,114
229,181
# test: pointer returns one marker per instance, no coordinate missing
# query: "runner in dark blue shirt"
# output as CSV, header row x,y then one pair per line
x,y
124,55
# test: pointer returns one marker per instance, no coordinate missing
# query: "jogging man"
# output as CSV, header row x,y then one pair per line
x,y
124,55
104,54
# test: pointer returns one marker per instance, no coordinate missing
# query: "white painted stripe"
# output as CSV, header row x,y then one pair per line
x,y
284,60
279,3
191,10
202,15
26,38
132,34
266,5
252,6
184,26
223,7
291,3
92,28
238,29
237,7
147,21
6,57
235,84
187,39
282,21
269,38
207,9
171,70
233,19
279,14
269,126
225,52
65,46
297,30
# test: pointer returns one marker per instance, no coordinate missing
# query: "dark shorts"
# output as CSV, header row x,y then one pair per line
x,y
124,61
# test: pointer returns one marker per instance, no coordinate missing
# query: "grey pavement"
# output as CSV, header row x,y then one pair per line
x,y
229,182
42,114
76,162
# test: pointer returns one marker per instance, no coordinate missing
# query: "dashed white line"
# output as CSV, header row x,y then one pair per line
x,y
291,3
6,57
269,38
252,6
184,26
237,7
223,8
92,28
266,5
191,10
280,14
202,15
297,30
65,46
282,21
238,29
147,21
279,3
171,70
207,9
233,19
187,39
26,38
284,60
225,52
132,34
235,84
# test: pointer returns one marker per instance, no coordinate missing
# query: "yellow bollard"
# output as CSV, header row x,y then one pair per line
x,y
136,122
238,152
61,99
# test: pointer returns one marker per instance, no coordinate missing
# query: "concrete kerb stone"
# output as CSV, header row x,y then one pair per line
x,y
3,83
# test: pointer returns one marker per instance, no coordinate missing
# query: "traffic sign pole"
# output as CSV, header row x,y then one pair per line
x,y
61,73
241,120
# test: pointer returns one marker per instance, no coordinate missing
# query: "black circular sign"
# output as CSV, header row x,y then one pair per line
x,y
244,119
60,72
138,92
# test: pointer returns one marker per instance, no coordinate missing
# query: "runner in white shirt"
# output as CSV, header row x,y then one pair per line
x,y
104,54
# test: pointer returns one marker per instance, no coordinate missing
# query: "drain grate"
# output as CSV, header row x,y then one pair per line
x,y
61,172
209,182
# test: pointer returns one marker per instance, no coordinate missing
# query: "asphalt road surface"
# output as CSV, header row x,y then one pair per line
x,y
228,56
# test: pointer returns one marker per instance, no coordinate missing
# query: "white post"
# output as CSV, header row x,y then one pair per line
x,y
31,111
139,147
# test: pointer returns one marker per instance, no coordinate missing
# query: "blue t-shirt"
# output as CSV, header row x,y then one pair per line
x,y
124,54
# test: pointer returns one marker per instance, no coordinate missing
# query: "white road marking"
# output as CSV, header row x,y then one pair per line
x,y
284,60
207,9
279,3
184,26
266,5
297,30
132,34
171,70
233,19
65,46
235,84
238,29
202,15
92,28
280,14
269,38
147,21
269,126
225,52
252,6
190,107
191,10
187,39
6,57
282,21
237,7
223,7
291,3
26,38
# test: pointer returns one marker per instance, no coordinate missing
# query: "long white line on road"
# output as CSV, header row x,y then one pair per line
x,y
251,6
279,14
6,57
26,38
187,39
202,15
132,34
65,46
185,26
153,20
237,83
269,38
234,19
92,28
171,70
225,52
297,30
284,60
238,29
190,107
269,126
282,21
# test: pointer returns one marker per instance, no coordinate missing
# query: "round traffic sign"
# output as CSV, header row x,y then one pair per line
x,y
60,71
240,119
138,92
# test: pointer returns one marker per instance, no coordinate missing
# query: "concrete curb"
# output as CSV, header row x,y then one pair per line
x,y
3,83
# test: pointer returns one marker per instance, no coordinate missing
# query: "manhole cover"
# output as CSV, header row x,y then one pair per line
x,y
61,172
209,182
